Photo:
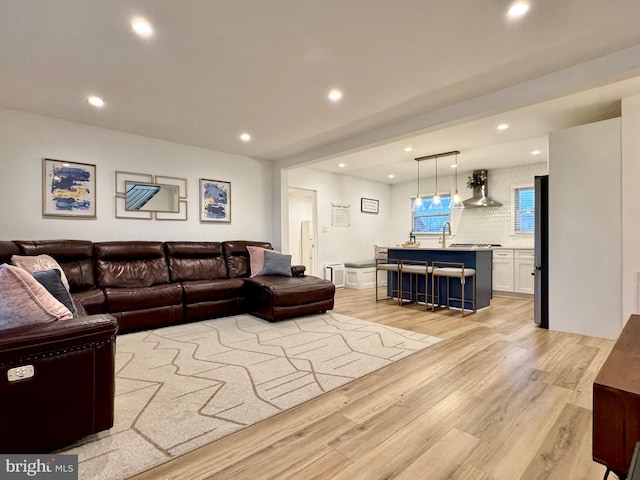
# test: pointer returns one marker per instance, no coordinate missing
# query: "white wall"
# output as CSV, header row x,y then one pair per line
x,y
630,206
346,244
585,230
469,225
26,139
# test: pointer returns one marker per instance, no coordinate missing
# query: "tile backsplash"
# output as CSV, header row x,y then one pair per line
x,y
491,224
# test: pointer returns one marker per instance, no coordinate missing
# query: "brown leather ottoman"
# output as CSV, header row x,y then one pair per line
x,y
277,298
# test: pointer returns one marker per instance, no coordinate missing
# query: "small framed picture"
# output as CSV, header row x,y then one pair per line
x,y
215,201
68,189
369,205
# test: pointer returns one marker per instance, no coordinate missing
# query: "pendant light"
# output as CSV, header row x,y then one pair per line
x,y
418,202
457,201
435,201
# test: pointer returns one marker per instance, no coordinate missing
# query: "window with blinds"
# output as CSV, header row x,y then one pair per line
x,y
430,219
523,209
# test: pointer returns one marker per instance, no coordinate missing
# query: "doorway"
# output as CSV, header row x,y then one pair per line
x,y
302,228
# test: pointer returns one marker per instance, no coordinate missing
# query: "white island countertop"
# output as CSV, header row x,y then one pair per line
x,y
469,248
456,249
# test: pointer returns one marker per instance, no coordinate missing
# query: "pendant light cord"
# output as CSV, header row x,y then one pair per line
x,y
436,176
418,193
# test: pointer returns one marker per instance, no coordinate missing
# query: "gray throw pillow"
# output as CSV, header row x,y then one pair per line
x,y
276,264
52,281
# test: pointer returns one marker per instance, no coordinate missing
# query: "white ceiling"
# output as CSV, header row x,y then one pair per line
x,y
480,143
217,68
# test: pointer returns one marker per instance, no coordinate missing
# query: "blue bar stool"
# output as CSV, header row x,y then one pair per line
x,y
451,270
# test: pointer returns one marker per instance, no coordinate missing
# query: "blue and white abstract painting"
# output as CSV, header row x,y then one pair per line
x,y
69,189
215,201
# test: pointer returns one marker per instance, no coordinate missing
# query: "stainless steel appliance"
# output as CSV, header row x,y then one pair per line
x,y
541,255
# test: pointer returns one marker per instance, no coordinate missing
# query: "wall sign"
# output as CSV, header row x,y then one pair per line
x,y
369,205
340,215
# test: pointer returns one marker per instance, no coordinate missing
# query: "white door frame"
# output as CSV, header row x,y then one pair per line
x,y
313,195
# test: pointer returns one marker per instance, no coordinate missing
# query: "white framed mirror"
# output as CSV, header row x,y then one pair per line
x,y
143,196
151,197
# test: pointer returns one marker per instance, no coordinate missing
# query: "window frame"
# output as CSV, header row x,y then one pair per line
x,y
515,211
429,197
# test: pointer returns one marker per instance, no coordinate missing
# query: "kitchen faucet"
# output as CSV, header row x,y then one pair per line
x,y
443,239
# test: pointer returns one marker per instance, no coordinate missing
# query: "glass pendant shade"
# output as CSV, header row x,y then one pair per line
x,y
457,201
436,201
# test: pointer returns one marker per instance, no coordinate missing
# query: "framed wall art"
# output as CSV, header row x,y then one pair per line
x,y
369,205
215,201
68,189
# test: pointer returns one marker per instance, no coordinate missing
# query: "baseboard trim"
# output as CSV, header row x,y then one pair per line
x,y
521,296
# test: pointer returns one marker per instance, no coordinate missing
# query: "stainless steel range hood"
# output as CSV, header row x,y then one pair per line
x,y
480,194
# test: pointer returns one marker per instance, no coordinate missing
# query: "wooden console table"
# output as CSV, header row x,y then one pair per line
x,y
616,402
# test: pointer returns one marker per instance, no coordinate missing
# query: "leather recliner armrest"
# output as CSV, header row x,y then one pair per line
x,y
69,389
43,337
298,270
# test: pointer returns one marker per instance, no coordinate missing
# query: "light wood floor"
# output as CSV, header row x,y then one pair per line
x,y
498,399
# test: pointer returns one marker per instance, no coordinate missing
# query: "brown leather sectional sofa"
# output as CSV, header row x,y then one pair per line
x,y
149,284
57,380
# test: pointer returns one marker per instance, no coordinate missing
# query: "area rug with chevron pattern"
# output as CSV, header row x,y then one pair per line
x,y
183,386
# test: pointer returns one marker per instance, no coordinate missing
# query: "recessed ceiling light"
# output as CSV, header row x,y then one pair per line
x,y
342,165
245,137
536,152
335,95
391,175
408,149
95,101
453,165
142,27
518,9
503,126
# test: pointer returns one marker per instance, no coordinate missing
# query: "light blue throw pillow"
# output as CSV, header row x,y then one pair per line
x,y
276,264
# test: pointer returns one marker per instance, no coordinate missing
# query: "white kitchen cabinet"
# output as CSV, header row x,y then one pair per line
x,y
523,269
503,279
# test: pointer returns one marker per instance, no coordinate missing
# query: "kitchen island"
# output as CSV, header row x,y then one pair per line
x,y
478,258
